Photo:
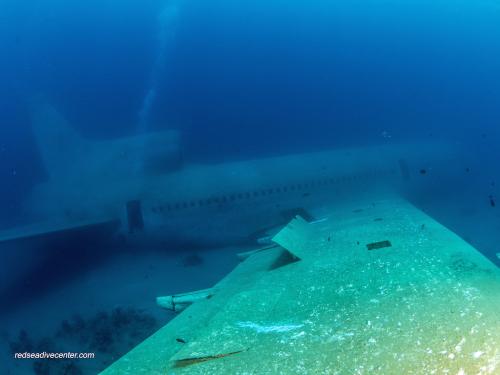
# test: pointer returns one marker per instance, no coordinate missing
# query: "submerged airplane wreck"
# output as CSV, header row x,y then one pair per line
x,y
358,282
373,287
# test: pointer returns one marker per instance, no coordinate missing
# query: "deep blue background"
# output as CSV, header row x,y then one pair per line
x,y
243,78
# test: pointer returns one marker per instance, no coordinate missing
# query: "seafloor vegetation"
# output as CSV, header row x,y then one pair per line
x,y
107,334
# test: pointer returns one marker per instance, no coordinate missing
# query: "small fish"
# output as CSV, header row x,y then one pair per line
x,y
492,201
378,245
182,341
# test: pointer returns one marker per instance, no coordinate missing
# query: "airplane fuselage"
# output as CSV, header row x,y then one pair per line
x,y
212,205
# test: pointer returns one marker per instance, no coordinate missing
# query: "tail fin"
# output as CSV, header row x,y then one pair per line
x,y
58,143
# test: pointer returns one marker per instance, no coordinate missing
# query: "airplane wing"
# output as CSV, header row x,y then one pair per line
x,y
24,250
52,231
377,287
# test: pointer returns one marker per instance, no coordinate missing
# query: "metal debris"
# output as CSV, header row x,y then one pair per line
x,y
192,361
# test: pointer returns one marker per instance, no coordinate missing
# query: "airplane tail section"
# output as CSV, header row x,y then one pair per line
x,y
161,152
58,143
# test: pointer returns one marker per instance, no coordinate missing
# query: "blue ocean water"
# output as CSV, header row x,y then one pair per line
x,y
248,77
242,79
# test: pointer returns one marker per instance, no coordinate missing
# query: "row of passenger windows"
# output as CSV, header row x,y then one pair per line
x,y
265,192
